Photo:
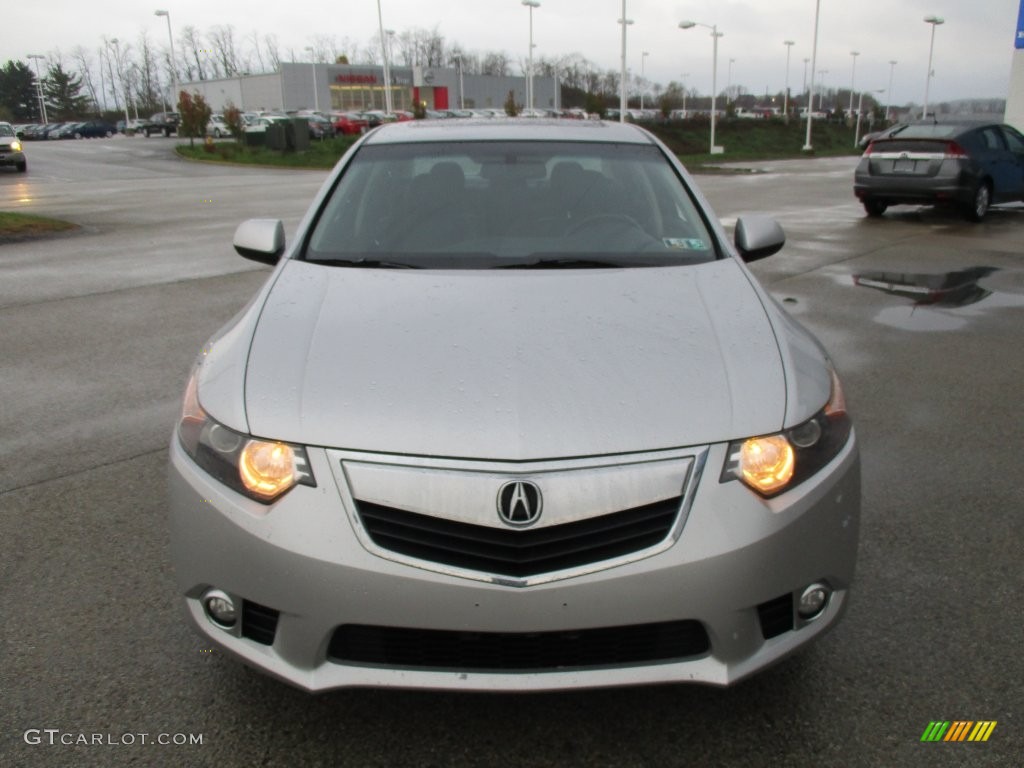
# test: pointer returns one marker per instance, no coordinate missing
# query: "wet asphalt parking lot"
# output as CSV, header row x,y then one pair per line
x,y
921,311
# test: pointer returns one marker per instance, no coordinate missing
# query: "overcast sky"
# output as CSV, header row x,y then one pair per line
x,y
973,49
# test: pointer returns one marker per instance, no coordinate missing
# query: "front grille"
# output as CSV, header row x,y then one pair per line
x,y
259,623
776,616
572,649
518,552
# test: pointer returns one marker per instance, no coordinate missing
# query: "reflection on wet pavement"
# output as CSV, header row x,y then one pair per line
x,y
947,289
941,301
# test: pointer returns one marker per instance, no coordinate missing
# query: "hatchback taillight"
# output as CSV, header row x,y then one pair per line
x,y
954,150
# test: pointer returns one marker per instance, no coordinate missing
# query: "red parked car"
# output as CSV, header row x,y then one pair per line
x,y
349,123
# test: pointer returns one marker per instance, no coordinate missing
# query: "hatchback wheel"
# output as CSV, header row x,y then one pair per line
x,y
982,199
875,208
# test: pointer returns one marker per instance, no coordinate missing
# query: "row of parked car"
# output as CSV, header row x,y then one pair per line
x,y
88,129
354,122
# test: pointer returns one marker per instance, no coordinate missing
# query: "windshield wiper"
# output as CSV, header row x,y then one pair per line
x,y
370,263
564,264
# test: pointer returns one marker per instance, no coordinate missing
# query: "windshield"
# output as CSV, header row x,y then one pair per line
x,y
480,205
6,130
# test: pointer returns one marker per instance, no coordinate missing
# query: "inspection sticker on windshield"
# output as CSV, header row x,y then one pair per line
x,y
685,243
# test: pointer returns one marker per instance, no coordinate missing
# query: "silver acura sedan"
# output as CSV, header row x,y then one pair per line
x,y
511,413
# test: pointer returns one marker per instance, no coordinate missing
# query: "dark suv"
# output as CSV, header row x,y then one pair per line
x,y
162,122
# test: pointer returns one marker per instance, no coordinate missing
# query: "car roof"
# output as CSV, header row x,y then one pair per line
x,y
508,129
946,129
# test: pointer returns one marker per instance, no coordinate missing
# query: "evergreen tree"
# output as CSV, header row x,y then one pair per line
x,y
19,99
63,93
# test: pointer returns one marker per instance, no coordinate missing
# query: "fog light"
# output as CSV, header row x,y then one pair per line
x,y
220,608
813,601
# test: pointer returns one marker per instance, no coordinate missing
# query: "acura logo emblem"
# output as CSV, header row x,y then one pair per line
x,y
519,503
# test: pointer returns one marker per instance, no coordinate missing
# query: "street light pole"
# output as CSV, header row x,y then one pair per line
x,y
120,73
312,63
814,61
715,34
174,72
462,92
622,74
685,75
531,4
888,101
934,21
643,59
853,75
387,69
39,86
785,96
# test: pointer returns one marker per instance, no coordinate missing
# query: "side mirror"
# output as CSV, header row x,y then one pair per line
x,y
758,236
261,240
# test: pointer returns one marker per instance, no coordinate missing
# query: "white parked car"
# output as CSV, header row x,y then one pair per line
x,y
511,413
217,127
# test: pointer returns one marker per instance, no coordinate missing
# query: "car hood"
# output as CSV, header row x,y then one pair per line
x,y
513,364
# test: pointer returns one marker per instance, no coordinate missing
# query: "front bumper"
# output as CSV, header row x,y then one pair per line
x,y
303,558
12,158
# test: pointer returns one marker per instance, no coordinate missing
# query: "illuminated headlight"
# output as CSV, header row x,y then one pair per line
x,y
263,470
771,464
16,146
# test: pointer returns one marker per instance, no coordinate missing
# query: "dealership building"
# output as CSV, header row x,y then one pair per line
x,y
344,88
1015,99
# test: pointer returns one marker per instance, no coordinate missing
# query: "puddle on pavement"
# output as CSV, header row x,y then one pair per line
x,y
942,301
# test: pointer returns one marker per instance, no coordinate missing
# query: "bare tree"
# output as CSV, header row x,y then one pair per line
x,y
193,45
325,48
113,79
610,83
148,87
496,63
272,51
420,46
432,48
222,42
407,48
83,64
470,61
372,53
256,65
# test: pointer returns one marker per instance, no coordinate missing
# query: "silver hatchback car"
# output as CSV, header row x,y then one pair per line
x,y
511,413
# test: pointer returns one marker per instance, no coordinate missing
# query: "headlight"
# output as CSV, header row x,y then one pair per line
x,y
773,463
16,146
263,470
